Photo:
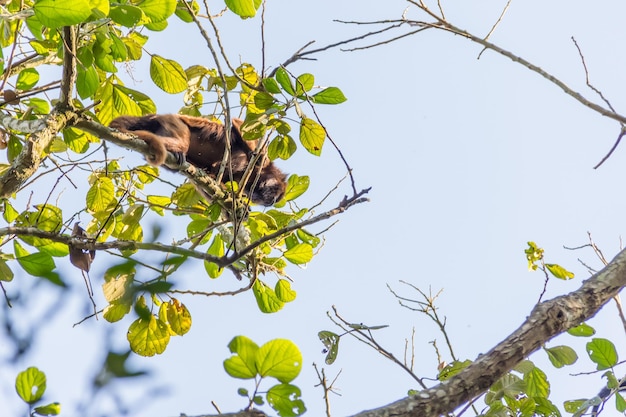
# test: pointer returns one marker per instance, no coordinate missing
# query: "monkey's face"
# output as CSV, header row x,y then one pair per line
x,y
270,187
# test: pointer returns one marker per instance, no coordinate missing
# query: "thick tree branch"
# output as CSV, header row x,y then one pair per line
x,y
28,161
546,321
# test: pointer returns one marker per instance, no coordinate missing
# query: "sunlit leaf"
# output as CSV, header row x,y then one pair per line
x,y
602,352
330,95
312,136
559,272
279,358
243,8
582,330
148,337
168,74
27,78
537,384
30,385
284,80
242,364
57,13
178,317
158,10
304,83
299,254
452,369
284,292
296,186
266,298
125,15
216,249
52,409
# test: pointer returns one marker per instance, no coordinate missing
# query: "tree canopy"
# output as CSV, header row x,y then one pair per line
x,y
147,245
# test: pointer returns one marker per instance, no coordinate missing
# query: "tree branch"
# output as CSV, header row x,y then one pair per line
x,y
546,321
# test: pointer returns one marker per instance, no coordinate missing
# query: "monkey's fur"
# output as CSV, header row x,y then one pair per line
x,y
203,143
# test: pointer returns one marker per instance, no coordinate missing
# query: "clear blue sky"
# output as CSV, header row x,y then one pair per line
x,y
468,160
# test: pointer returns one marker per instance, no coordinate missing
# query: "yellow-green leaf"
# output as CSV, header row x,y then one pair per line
x,y
266,298
178,317
148,337
30,384
559,272
100,195
57,13
284,292
243,8
312,136
168,74
299,254
158,10
279,358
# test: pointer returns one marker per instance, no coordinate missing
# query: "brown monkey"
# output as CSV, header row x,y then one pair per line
x,y
203,143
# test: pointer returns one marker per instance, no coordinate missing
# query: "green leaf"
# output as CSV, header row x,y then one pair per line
x,y
304,83
57,13
575,406
509,385
52,409
285,399
620,403
118,100
38,264
299,254
537,383
38,105
100,195
263,100
330,95
452,369
279,358
30,385
158,10
559,272
285,81
148,337
178,317
27,79
312,136
86,81
216,249
602,352
284,292
296,186
271,85
6,274
331,343
168,75
116,311
242,364
130,227
282,146
158,203
266,298
243,8
582,330
126,15
561,356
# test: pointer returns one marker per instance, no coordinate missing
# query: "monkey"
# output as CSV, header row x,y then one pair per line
x,y
202,143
